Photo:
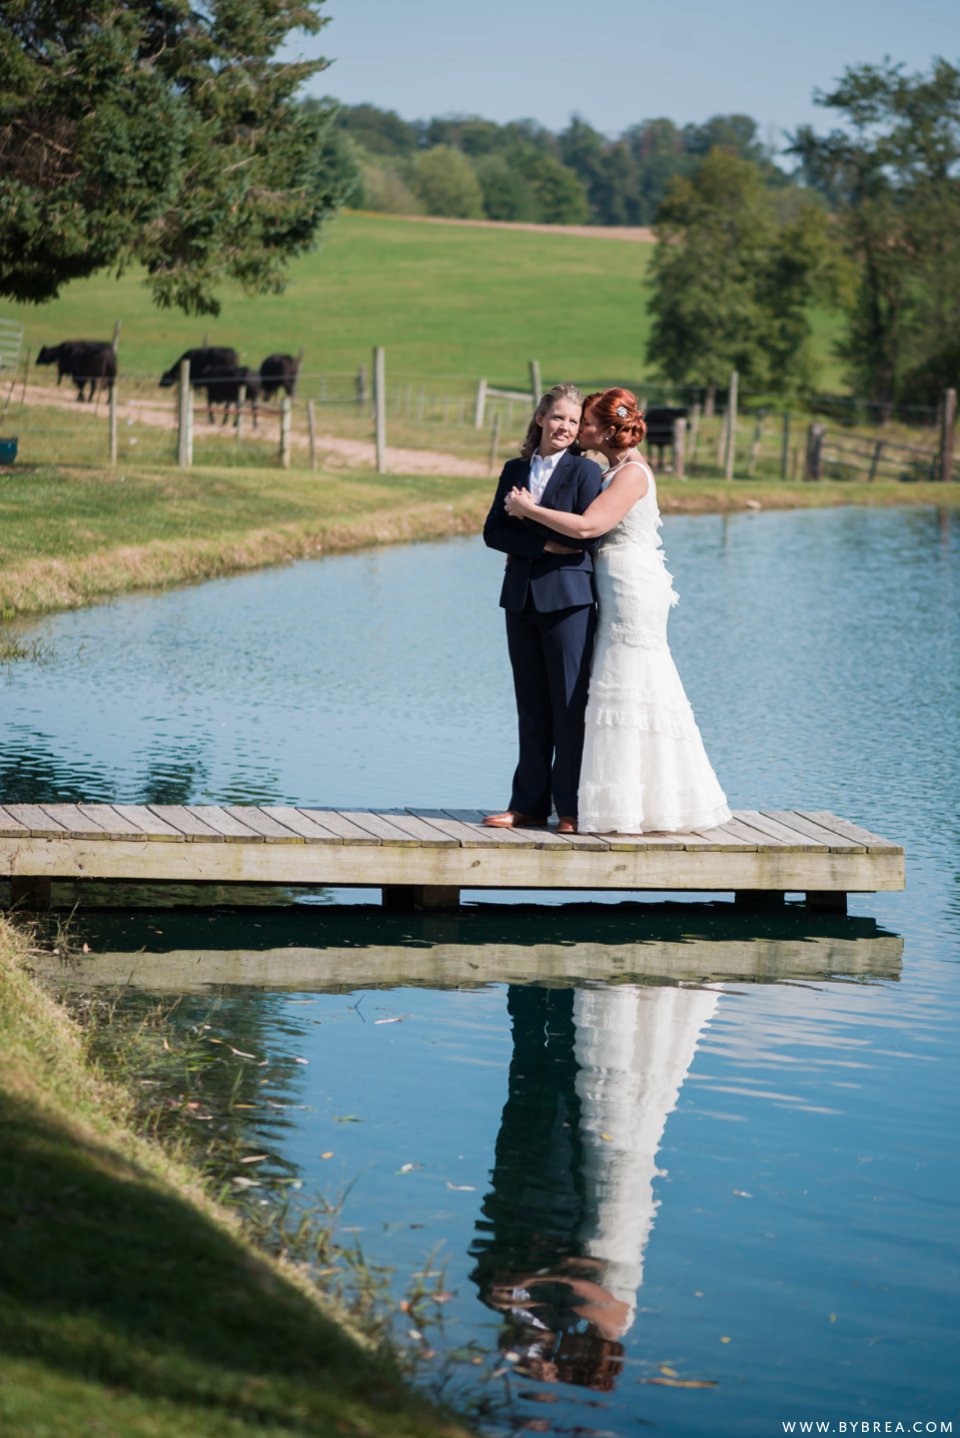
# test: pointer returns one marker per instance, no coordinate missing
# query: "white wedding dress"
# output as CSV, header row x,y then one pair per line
x,y
644,765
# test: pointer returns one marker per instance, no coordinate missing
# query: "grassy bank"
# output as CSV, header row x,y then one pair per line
x,y
72,536
129,1303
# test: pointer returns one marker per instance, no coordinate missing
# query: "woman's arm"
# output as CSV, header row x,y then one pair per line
x,y
606,511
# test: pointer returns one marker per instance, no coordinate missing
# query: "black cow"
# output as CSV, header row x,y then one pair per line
x,y
279,372
90,362
223,386
202,361
660,420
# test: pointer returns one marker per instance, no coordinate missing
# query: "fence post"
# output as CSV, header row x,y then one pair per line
x,y
494,442
113,423
241,401
380,407
481,405
755,444
710,403
285,409
185,417
116,337
694,431
535,389
946,434
26,373
362,387
815,435
731,427
312,428
875,460
679,447
785,445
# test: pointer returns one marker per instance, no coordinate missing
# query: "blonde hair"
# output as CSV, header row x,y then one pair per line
x,y
534,434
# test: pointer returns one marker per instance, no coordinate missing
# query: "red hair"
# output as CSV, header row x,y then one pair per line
x,y
617,409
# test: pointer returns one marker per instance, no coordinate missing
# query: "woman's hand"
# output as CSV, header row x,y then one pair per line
x,y
519,503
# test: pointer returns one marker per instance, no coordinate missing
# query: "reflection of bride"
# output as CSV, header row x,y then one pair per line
x,y
560,1247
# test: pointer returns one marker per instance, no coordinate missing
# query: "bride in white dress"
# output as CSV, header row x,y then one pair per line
x,y
644,765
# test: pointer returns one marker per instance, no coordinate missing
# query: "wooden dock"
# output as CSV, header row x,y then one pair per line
x,y
423,858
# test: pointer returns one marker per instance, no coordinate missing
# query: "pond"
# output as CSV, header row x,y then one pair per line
x,y
666,1165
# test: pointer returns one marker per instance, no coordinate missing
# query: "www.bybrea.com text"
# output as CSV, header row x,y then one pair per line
x,y
867,1425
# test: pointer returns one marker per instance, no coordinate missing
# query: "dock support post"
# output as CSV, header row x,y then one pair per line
x,y
759,898
29,892
827,901
401,898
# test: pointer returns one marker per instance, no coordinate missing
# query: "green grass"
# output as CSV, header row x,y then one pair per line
x,y
129,1303
449,303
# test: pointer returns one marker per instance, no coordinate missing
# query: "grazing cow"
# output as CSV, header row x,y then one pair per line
x,y
90,362
202,361
223,386
660,420
279,372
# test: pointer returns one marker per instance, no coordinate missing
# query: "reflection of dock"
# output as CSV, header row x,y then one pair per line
x,y
364,948
424,858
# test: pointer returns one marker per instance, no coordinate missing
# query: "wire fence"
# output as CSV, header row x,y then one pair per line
x,y
434,424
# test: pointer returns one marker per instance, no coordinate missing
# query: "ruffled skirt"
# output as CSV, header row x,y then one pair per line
x,y
644,765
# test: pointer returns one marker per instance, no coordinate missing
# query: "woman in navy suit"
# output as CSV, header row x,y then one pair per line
x,y
550,609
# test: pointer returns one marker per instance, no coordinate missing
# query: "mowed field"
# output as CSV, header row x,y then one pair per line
x,y
449,303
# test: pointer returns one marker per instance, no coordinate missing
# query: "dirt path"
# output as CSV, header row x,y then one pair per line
x,y
635,234
334,451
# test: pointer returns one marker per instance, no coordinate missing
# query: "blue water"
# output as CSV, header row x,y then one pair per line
x,y
709,1149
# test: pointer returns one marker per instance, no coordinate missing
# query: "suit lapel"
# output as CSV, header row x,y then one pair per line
x,y
546,499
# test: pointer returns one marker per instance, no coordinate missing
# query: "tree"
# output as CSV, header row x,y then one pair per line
x,y
558,193
446,184
733,272
606,169
506,194
893,172
152,132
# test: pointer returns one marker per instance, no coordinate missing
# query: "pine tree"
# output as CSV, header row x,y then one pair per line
x,y
153,132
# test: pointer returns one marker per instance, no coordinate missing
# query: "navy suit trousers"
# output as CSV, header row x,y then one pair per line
x,y
550,656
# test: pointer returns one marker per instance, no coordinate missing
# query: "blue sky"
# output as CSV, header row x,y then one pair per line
x,y
616,61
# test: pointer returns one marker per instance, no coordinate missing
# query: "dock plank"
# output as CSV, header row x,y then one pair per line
x,y
344,828
772,830
837,843
307,829
264,824
77,824
424,832
468,836
113,825
873,843
34,818
381,826
232,829
180,817
147,824
9,826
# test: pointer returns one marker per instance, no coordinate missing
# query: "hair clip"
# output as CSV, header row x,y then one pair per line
x,y
621,411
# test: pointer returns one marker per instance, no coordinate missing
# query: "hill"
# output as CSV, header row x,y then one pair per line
x,y
450,303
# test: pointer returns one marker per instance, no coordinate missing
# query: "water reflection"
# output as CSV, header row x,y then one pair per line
x,y
560,1247
340,948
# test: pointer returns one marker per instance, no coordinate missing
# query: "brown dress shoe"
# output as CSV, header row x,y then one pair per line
x,y
511,819
566,825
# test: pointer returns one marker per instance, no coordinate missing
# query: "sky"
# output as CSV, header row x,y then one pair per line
x,y
615,62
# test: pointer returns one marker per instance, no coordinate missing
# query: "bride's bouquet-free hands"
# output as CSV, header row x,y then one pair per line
x,y
520,503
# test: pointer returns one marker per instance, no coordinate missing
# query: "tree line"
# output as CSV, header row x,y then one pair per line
x,y
471,168
152,133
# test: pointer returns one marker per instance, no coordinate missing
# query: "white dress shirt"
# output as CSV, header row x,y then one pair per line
x,y
541,468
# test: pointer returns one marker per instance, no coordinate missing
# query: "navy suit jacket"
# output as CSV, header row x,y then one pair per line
x,y
553,581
